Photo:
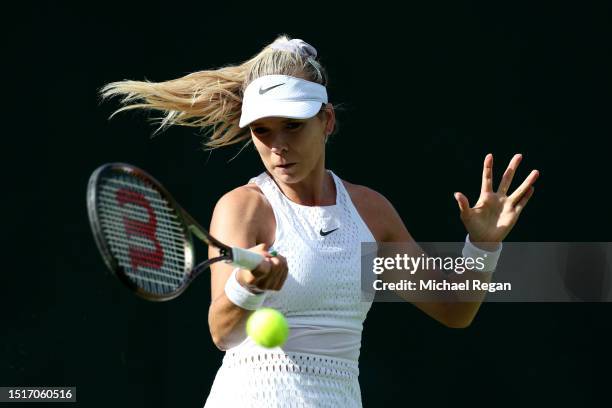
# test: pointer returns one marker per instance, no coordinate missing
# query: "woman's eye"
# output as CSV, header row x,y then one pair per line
x,y
259,130
294,125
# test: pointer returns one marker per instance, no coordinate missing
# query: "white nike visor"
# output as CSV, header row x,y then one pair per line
x,y
283,96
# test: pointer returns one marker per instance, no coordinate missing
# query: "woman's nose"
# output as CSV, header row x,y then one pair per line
x,y
279,144
279,149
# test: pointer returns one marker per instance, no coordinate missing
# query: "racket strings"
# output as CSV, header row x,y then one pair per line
x,y
144,233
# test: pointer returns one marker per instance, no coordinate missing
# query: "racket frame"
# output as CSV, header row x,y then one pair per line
x,y
188,224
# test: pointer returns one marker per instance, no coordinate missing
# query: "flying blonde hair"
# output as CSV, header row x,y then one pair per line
x,y
212,99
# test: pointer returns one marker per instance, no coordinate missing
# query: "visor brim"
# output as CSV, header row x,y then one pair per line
x,y
282,109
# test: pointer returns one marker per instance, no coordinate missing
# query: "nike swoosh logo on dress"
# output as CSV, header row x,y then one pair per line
x,y
324,233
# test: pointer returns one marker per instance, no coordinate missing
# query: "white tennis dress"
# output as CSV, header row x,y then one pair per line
x,y
321,299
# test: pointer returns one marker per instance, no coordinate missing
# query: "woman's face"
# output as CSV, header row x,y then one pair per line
x,y
292,148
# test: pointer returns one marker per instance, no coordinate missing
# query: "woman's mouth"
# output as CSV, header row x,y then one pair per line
x,y
285,168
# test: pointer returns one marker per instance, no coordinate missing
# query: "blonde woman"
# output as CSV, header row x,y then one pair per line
x,y
316,221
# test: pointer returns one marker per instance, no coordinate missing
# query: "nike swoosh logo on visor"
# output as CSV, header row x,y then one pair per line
x,y
264,90
324,233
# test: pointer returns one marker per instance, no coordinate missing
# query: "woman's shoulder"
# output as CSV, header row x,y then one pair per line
x,y
373,207
248,199
363,193
247,206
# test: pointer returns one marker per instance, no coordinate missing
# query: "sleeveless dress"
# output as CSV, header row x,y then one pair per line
x,y
323,304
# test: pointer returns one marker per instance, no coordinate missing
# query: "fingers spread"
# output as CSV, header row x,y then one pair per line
x,y
462,201
506,180
487,174
521,204
524,187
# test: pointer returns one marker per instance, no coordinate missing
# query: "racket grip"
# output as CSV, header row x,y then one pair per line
x,y
245,258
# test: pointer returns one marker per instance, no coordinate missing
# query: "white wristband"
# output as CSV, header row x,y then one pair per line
x,y
488,258
241,296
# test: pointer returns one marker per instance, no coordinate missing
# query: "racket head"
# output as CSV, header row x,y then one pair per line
x,y
140,230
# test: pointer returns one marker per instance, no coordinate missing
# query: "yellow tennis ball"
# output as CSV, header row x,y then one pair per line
x,y
267,327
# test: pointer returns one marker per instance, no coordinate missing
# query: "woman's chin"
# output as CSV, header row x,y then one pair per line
x,y
285,178
286,173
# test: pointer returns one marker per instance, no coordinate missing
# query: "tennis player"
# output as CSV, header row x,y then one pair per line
x,y
316,221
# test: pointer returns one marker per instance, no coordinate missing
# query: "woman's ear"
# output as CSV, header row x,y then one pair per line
x,y
331,119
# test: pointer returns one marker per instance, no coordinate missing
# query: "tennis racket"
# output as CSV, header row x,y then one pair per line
x,y
145,237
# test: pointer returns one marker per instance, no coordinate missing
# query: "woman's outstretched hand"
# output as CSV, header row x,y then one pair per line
x,y
495,213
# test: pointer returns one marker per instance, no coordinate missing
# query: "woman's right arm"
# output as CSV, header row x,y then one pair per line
x,y
241,218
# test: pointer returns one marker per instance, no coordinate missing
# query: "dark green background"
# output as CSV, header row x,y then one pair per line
x,y
427,92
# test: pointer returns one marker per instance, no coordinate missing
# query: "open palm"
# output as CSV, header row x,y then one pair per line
x,y
495,213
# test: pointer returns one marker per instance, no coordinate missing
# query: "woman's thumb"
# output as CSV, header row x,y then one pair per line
x,y
262,248
462,201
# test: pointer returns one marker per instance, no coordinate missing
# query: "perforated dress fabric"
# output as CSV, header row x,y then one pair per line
x,y
321,299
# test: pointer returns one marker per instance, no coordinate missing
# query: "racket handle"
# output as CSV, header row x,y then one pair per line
x,y
245,258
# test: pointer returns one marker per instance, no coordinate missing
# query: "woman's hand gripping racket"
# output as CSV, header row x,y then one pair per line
x,y
144,235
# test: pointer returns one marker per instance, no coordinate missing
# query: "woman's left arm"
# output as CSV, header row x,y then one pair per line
x,y
487,223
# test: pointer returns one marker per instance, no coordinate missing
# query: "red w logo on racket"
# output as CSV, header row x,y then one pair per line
x,y
141,256
136,223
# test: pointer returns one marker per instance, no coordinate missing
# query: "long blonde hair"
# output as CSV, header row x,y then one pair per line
x,y
212,99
